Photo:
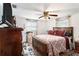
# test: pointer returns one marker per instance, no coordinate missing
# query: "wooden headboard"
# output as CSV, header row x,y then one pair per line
x,y
67,30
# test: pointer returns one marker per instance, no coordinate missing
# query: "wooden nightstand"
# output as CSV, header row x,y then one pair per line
x,y
77,47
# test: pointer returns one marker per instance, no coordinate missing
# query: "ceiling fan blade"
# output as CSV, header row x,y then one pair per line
x,y
53,15
41,17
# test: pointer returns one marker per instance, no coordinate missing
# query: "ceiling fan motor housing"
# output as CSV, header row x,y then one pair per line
x,y
46,13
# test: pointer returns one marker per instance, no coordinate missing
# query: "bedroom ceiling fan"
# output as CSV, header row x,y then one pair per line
x,y
46,15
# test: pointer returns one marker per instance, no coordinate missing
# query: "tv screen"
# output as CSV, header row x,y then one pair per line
x,y
7,12
7,15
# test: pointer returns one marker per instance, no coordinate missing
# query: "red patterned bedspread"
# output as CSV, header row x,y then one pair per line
x,y
56,44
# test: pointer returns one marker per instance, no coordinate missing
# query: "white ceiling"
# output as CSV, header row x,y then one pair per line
x,y
35,10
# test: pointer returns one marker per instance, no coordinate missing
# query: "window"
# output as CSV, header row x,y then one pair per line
x,y
62,22
31,25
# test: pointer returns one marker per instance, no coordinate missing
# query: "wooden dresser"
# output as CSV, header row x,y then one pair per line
x,y
77,47
10,41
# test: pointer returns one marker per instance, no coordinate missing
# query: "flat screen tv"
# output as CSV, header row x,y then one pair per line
x,y
7,14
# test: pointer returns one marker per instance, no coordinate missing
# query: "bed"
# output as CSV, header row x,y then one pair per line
x,y
51,43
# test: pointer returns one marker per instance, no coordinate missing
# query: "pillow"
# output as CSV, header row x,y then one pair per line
x,y
60,32
56,32
51,32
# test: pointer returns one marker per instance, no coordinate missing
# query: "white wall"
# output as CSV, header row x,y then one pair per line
x,y
75,23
